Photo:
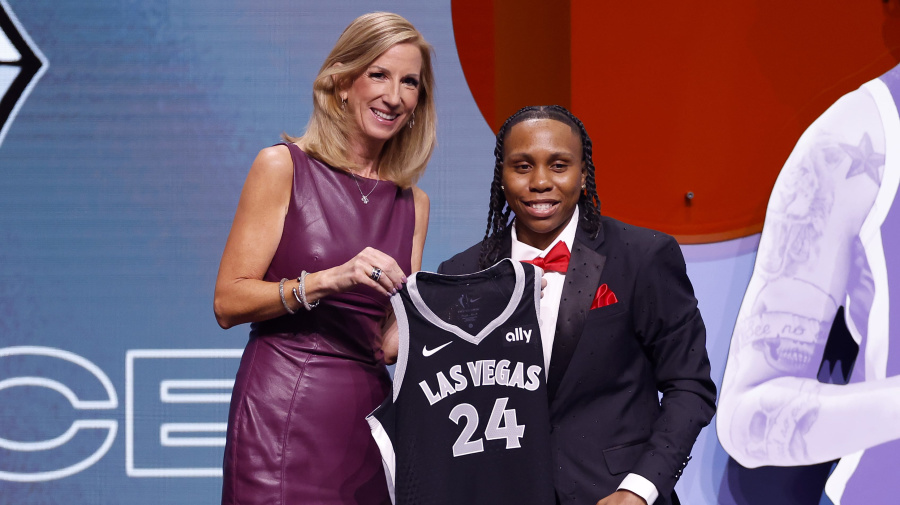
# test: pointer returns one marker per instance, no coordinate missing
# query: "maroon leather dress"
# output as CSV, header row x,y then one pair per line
x,y
297,432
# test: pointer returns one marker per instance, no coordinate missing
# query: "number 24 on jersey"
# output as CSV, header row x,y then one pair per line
x,y
511,431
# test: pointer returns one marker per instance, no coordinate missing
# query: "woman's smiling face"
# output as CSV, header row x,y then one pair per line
x,y
543,174
382,99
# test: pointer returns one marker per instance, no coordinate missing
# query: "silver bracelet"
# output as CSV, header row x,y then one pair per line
x,y
302,281
283,301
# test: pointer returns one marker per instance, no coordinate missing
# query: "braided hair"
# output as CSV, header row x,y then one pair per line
x,y
499,212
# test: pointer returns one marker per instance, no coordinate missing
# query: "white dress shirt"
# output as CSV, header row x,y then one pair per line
x,y
549,313
555,280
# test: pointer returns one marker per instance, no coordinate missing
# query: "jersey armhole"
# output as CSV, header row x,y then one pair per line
x,y
402,344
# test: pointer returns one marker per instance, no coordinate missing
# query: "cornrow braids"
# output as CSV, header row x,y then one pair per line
x,y
496,223
589,202
499,211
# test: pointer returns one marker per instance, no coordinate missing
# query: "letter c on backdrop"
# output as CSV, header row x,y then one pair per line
x,y
110,425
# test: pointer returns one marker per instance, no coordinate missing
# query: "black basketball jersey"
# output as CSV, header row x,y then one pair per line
x,y
467,421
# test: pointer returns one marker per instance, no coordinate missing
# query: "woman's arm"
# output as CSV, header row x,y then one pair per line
x,y
241,295
391,332
773,410
423,208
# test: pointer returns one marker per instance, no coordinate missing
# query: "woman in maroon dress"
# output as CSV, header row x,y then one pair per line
x,y
327,227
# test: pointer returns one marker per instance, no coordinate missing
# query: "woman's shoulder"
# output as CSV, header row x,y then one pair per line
x,y
277,155
420,197
422,207
273,162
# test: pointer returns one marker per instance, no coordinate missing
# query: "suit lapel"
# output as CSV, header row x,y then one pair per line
x,y
582,280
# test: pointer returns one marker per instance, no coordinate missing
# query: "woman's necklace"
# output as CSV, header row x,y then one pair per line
x,y
365,196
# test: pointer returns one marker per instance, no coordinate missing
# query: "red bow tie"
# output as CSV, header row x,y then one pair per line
x,y
557,260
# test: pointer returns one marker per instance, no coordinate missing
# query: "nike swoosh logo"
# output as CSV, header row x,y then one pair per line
x,y
428,352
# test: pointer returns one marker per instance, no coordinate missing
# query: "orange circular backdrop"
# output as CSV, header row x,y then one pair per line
x,y
678,97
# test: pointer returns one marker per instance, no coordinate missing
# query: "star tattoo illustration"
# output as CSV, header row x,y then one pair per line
x,y
864,160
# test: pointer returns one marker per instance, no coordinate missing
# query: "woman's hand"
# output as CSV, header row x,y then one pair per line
x,y
370,267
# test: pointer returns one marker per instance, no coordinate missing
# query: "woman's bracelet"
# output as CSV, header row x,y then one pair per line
x,y
283,301
302,298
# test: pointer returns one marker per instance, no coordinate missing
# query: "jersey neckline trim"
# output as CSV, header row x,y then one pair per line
x,y
428,314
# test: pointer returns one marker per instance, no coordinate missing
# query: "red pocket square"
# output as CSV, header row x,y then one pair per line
x,y
603,297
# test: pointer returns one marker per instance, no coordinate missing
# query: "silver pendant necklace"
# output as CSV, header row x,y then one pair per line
x,y
365,196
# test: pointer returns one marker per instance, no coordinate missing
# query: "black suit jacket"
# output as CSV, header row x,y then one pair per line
x,y
609,364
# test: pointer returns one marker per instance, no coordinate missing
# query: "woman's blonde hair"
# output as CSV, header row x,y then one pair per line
x,y
327,137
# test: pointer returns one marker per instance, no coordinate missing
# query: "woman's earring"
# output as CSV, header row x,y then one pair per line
x,y
584,186
503,187
412,120
343,103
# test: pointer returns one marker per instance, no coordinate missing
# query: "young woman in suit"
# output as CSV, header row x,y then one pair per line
x,y
619,320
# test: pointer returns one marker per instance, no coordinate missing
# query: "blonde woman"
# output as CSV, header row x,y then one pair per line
x,y
327,228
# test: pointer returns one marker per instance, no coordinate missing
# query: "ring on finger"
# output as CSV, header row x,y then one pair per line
x,y
376,274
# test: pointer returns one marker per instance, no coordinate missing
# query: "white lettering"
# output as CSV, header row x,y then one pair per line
x,y
487,377
88,391
432,397
457,375
107,401
533,380
518,335
502,375
485,372
475,372
517,378
447,389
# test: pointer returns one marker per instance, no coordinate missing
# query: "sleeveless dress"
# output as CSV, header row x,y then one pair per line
x,y
297,431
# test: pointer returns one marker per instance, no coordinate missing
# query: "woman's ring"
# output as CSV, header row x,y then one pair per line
x,y
376,274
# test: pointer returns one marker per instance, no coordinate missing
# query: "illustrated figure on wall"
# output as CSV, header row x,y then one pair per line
x,y
812,373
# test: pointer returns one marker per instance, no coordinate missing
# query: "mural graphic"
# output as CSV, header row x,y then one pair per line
x,y
21,66
692,117
812,376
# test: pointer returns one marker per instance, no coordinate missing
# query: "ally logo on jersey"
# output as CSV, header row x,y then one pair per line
x,y
520,335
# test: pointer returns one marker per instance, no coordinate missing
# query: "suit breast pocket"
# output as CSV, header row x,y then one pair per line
x,y
609,331
609,311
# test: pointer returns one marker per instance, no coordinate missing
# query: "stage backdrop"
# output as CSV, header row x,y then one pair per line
x,y
126,131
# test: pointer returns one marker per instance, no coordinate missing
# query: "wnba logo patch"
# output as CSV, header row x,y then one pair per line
x,y
21,65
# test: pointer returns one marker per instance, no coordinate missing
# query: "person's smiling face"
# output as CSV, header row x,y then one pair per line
x,y
382,99
543,174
